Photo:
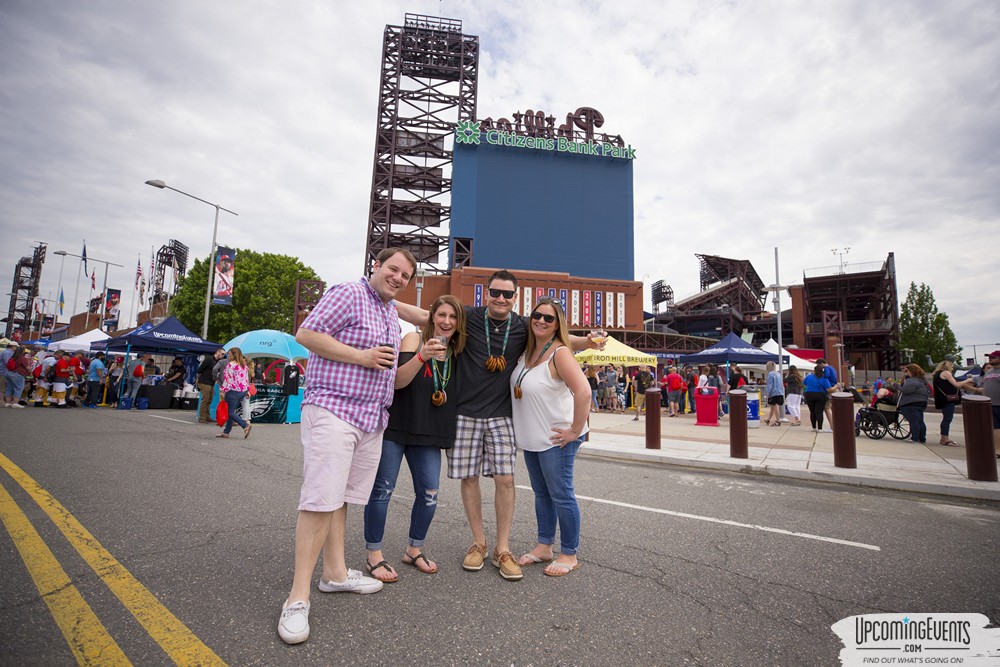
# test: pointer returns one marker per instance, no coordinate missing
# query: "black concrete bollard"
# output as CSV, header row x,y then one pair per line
x,y
738,444
653,418
844,446
977,419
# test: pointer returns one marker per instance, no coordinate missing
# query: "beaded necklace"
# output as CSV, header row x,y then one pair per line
x,y
496,364
524,371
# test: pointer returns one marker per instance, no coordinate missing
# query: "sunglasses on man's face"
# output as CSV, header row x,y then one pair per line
x,y
496,293
549,319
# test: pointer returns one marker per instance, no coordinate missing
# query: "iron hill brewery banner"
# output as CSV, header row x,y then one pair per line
x,y
225,270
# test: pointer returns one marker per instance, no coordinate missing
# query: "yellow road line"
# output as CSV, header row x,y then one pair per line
x,y
86,635
179,643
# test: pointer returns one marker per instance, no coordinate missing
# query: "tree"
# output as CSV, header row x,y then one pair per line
x,y
263,295
923,329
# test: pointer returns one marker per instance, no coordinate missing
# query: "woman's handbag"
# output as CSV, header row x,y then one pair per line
x,y
222,413
953,398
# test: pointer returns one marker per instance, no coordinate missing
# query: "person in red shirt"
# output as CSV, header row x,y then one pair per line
x,y
78,366
675,390
62,380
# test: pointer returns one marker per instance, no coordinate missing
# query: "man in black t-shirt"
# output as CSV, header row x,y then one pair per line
x,y
206,384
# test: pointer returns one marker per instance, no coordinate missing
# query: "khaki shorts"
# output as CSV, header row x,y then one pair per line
x,y
339,461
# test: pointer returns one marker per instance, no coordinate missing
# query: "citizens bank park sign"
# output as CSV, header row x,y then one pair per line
x,y
586,308
534,130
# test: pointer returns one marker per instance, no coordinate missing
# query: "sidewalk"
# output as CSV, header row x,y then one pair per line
x,y
795,452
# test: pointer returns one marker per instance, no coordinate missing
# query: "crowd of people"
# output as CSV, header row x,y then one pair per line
x,y
71,379
59,379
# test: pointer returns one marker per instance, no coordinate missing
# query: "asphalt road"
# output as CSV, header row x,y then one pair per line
x,y
679,567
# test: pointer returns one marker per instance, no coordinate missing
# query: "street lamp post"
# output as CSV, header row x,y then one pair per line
x,y
211,256
777,289
841,252
840,362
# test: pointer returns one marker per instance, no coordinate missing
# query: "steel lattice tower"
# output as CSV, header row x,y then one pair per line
x,y
24,291
428,83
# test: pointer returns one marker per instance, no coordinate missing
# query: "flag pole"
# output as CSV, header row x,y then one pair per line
x,y
76,294
135,288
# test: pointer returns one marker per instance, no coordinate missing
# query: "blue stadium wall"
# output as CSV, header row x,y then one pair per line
x,y
544,211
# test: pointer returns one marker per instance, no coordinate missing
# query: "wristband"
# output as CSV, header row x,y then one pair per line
x,y
421,359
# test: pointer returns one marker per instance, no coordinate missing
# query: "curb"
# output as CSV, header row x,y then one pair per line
x,y
848,479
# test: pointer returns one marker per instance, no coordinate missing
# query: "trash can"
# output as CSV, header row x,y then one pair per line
x,y
142,403
125,402
706,405
753,408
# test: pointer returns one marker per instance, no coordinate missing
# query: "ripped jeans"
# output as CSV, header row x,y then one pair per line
x,y
425,469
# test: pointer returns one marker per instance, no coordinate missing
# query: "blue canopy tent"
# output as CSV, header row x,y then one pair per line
x,y
730,350
167,337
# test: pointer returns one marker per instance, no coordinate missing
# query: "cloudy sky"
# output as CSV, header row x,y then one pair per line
x,y
803,125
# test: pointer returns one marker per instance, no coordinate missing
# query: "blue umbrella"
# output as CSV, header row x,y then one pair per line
x,y
268,343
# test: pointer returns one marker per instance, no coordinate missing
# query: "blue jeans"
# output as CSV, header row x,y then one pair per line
x,y
690,396
947,413
551,474
915,416
425,469
133,388
15,385
593,399
233,399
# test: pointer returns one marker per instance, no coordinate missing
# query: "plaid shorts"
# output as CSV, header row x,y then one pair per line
x,y
482,447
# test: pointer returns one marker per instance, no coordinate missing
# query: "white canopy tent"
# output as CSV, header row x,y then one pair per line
x,y
79,343
802,364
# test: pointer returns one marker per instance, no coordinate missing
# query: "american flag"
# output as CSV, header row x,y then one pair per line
x,y
93,280
138,273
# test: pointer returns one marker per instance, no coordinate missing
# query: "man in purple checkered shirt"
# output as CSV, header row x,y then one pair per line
x,y
352,336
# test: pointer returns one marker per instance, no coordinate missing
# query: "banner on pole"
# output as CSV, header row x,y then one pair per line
x,y
112,301
225,269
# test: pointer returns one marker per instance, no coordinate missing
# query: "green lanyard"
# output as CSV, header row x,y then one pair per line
x,y
524,371
506,334
441,377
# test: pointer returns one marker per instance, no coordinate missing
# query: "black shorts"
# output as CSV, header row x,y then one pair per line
x,y
776,400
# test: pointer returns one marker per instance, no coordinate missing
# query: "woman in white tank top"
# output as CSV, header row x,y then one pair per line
x,y
551,403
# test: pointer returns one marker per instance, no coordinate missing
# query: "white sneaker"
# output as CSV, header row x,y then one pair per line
x,y
16,405
355,583
828,430
293,627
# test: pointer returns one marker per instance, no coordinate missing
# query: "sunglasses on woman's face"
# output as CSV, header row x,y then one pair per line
x,y
549,319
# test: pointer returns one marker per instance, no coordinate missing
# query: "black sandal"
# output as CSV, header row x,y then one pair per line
x,y
384,564
413,562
